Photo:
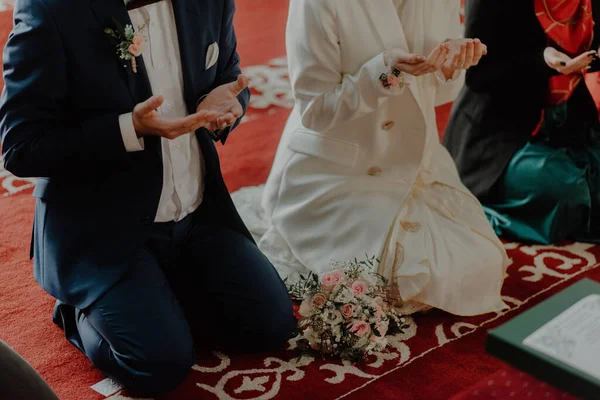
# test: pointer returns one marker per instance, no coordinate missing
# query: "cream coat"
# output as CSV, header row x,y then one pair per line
x,y
352,150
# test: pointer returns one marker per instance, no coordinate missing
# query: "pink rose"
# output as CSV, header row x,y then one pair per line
x,y
359,328
330,279
359,288
347,311
138,39
392,80
318,301
135,50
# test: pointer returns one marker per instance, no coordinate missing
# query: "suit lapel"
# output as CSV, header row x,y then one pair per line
x,y
385,21
106,12
191,39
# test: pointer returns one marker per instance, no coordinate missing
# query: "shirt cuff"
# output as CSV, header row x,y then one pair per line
x,y
442,78
130,140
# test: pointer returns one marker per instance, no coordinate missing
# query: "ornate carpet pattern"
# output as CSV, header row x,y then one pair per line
x,y
434,339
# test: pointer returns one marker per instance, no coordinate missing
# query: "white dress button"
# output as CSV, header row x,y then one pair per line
x,y
388,125
169,107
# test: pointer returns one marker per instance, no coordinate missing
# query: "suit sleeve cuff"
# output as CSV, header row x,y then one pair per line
x,y
200,100
130,140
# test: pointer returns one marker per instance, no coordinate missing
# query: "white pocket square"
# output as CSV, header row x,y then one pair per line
x,y
212,55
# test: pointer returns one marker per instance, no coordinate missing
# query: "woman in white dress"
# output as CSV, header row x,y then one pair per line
x,y
360,170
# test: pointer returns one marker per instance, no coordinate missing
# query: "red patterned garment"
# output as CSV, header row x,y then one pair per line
x,y
569,26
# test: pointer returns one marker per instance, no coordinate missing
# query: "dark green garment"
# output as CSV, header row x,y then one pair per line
x,y
550,190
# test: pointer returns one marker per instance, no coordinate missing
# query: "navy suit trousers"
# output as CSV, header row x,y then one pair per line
x,y
193,282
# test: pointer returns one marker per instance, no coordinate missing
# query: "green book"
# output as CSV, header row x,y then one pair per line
x,y
557,341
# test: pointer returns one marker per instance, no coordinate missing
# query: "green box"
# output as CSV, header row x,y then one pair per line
x,y
506,343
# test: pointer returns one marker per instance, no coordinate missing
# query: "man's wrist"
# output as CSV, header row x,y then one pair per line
x,y
200,100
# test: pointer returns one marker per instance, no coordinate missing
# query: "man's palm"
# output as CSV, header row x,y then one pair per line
x,y
223,101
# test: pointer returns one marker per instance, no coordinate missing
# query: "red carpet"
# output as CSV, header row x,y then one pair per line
x,y
439,357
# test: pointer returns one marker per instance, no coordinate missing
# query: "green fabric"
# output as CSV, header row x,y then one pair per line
x,y
551,188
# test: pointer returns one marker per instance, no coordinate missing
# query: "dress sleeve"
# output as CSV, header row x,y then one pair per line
x,y
327,96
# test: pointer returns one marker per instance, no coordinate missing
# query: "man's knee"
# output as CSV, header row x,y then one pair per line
x,y
152,371
163,374
277,324
286,324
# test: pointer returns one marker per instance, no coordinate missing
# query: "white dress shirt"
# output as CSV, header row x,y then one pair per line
x,y
183,164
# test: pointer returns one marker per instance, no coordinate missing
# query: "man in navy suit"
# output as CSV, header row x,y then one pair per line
x,y
115,106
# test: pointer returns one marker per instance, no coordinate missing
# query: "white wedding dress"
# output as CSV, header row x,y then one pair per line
x,y
360,169
248,203
428,253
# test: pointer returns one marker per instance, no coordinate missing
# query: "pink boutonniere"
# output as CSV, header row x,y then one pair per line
x,y
129,43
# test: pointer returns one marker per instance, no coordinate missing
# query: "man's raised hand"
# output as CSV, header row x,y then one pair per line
x,y
223,101
148,122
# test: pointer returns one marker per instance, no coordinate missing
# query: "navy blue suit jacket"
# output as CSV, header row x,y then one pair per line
x,y
65,88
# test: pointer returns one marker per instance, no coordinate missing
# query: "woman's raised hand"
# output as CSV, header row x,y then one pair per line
x,y
566,65
415,64
448,57
465,53
438,56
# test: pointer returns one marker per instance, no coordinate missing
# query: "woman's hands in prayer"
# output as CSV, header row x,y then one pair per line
x,y
465,53
566,65
446,57
413,64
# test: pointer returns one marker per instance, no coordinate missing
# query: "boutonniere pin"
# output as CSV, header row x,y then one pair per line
x,y
128,41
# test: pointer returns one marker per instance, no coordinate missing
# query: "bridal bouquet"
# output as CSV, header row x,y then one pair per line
x,y
346,312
